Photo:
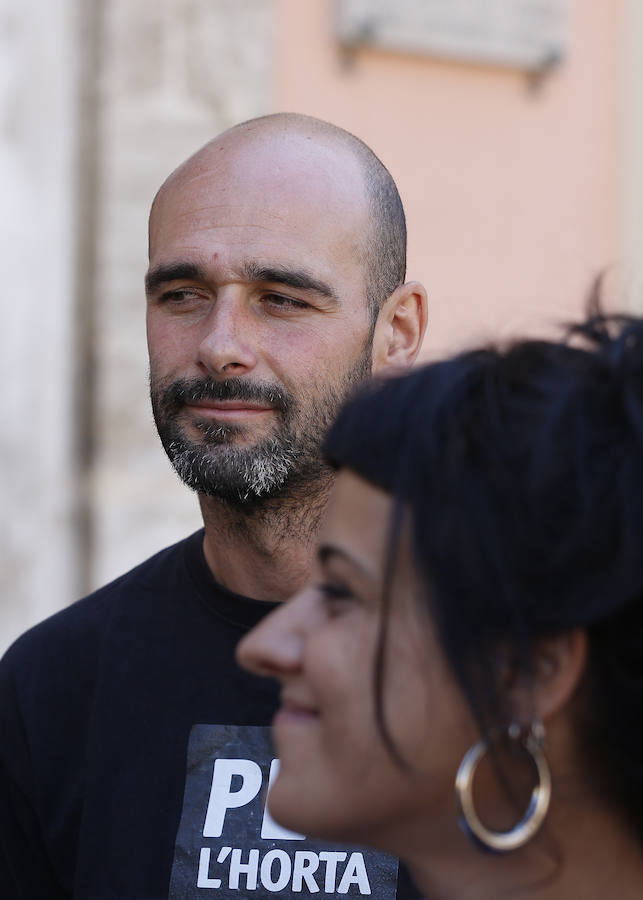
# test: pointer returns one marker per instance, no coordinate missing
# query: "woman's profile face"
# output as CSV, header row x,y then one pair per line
x,y
337,779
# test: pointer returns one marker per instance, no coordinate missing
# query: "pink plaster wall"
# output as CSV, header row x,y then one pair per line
x,y
512,196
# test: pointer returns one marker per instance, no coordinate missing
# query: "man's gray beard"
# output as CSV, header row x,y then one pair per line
x,y
240,475
282,463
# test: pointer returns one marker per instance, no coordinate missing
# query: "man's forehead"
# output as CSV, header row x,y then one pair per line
x,y
273,209
258,229
270,167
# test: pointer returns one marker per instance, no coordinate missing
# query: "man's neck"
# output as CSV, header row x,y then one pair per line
x,y
265,551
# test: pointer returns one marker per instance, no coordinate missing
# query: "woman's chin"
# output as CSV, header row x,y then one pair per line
x,y
290,810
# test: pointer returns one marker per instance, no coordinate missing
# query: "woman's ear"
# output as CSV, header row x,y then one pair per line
x,y
559,663
400,328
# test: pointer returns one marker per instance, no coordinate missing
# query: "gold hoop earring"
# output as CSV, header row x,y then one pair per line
x,y
526,828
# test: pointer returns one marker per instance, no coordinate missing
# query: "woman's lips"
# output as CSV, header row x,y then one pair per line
x,y
294,712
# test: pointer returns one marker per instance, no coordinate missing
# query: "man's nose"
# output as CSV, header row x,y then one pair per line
x,y
228,345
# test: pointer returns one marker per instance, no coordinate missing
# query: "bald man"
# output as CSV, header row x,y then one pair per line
x,y
135,755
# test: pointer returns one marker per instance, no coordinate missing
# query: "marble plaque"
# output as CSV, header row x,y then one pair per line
x,y
526,34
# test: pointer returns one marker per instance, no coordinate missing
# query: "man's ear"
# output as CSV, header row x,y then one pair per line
x,y
559,663
400,328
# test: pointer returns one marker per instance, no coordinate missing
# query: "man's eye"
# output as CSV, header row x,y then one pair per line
x,y
179,296
280,301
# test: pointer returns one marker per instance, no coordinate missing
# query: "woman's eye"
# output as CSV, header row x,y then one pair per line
x,y
336,597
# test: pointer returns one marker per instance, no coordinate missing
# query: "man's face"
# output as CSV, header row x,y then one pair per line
x,y
257,317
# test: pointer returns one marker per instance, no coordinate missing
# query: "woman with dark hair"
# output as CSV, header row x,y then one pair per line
x,y
465,672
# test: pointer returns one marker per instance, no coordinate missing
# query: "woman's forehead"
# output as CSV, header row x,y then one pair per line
x,y
357,521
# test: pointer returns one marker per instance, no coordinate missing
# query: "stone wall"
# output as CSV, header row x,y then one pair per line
x,y
173,74
38,139
98,103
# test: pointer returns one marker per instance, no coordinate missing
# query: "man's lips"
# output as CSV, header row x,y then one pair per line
x,y
227,409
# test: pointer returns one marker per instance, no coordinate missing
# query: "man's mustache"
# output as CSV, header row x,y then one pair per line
x,y
192,390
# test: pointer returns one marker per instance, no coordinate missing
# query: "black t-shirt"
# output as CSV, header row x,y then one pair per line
x,y
113,713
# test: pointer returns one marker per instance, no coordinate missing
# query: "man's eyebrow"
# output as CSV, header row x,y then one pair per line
x,y
299,279
173,272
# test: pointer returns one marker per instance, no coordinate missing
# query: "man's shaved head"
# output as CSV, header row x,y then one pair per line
x,y
275,251
382,246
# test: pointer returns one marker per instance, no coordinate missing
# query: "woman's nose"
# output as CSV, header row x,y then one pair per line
x,y
275,646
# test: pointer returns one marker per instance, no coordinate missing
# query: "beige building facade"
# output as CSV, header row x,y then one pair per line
x,y
521,182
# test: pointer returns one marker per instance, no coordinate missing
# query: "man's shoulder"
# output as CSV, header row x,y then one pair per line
x,y
82,624
154,570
